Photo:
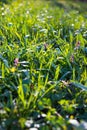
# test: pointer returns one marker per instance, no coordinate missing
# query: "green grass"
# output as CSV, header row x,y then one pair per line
x,y
43,65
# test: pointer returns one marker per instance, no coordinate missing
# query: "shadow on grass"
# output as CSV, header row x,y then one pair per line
x,y
5,1
78,5
58,3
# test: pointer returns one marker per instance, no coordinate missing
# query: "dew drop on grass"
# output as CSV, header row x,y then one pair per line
x,y
28,123
10,24
33,128
26,36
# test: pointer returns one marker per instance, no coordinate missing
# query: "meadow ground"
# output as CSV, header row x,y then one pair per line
x,y
43,65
